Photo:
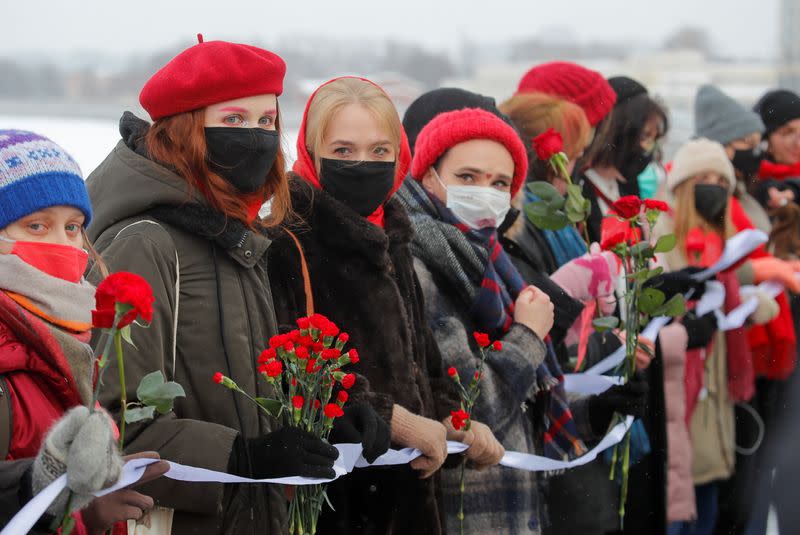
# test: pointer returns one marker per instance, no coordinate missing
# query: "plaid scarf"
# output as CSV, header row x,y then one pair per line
x,y
486,281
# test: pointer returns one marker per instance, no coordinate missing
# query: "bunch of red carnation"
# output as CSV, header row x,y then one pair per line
x,y
304,366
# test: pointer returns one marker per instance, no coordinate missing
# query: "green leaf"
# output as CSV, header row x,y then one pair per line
x,y
605,323
641,249
138,414
544,217
545,191
674,307
154,391
665,243
654,272
650,299
125,332
272,406
576,204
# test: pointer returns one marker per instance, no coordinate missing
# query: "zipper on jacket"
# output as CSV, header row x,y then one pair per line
x,y
243,239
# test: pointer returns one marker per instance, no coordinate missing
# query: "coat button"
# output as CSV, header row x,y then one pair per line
x,y
373,489
248,253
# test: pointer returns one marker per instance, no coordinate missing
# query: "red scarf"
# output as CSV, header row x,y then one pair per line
x,y
305,168
741,376
778,171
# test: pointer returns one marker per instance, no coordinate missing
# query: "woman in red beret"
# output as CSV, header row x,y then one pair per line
x,y
177,201
352,157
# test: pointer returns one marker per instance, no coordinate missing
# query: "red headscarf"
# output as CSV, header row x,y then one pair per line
x,y
305,168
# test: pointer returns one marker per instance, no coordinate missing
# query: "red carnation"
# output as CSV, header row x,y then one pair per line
x,y
477,376
311,366
353,354
330,329
297,402
612,240
330,353
274,368
126,289
547,144
627,207
277,341
332,410
303,323
452,372
344,338
317,404
218,378
305,341
288,346
497,345
301,352
294,381
459,419
348,380
317,347
652,204
318,321
342,396
482,339
267,355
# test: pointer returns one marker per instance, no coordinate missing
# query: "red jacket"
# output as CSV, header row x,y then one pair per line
x,y
41,385
772,344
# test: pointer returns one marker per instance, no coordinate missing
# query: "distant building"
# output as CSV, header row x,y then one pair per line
x,y
790,44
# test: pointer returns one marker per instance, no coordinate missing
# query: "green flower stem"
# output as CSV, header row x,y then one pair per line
x,y
462,487
123,396
67,525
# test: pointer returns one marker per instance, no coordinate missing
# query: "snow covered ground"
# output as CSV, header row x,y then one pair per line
x,y
90,140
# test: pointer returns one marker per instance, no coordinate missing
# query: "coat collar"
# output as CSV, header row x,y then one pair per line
x,y
340,227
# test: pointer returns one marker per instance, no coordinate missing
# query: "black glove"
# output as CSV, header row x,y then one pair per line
x,y
678,282
290,451
361,424
700,330
627,399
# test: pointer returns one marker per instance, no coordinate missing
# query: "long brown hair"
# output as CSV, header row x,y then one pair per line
x,y
686,216
179,143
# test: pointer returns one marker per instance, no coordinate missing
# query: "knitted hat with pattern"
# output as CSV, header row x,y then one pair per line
x,y
35,173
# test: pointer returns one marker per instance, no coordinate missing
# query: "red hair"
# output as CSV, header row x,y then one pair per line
x,y
179,142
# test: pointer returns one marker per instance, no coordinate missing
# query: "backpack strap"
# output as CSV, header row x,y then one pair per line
x,y
304,270
6,419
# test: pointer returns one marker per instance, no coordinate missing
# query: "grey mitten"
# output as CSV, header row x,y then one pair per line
x,y
82,445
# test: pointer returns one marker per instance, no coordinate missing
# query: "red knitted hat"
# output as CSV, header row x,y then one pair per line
x,y
449,129
579,85
211,72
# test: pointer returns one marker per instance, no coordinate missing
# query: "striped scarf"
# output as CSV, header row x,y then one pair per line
x,y
488,284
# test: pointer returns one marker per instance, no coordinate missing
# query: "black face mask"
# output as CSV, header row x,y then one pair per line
x,y
710,201
748,161
242,156
636,165
363,186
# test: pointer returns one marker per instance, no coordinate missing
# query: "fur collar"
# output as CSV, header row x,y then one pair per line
x,y
340,227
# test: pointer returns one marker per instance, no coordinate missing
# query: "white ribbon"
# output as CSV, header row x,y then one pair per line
x,y
349,458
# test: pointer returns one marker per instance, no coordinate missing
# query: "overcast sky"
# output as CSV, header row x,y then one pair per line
x,y
739,28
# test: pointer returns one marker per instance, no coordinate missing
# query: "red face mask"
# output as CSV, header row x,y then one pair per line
x,y
61,261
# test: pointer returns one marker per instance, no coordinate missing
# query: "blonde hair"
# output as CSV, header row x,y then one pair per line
x,y
334,96
686,216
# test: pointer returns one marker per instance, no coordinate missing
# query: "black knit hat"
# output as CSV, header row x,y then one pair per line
x,y
430,104
777,108
626,88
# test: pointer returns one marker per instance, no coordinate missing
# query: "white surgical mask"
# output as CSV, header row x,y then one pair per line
x,y
477,206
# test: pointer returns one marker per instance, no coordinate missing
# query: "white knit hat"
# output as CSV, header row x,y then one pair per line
x,y
700,156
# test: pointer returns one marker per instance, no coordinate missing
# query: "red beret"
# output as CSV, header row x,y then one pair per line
x,y
449,129
211,72
570,81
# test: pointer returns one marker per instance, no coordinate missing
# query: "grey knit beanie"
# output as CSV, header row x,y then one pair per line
x,y
720,118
